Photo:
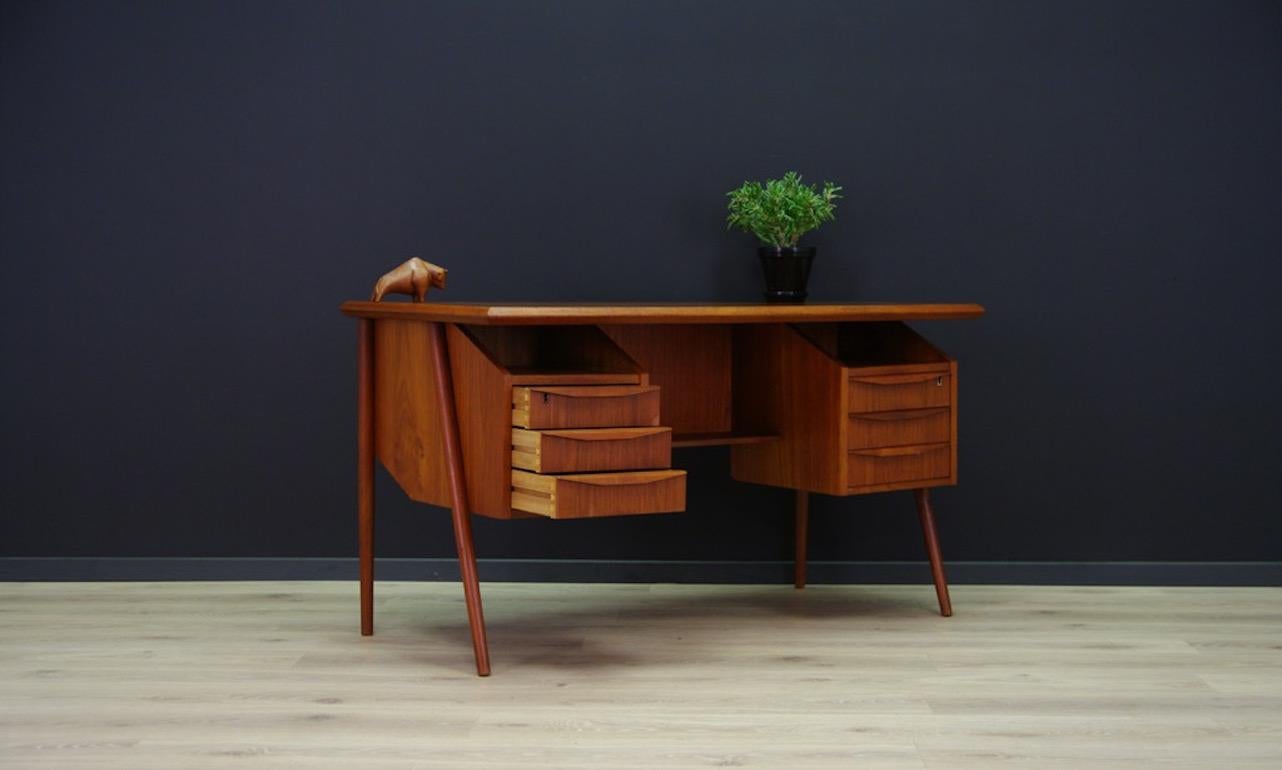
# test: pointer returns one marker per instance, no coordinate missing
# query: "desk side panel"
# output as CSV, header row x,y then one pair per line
x,y
407,428
787,386
483,395
408,434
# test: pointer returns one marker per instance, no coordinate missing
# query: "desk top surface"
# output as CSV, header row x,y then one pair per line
x,y
530,314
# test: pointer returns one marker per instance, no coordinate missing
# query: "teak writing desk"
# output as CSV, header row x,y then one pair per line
x,y
571,411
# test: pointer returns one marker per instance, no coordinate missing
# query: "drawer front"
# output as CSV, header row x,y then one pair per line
x,y
892,392
591,449
591,495
586,406
889,465
884,429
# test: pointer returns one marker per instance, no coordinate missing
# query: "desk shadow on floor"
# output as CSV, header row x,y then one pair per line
x,y
557,631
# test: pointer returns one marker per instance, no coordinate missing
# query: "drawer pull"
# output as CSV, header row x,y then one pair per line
x,y
898,392
589,495
591,449
601,406
910,414
898,451
887,380
593,391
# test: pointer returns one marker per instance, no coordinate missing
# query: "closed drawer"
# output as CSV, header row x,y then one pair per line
x,y
889,465
591,449
900,428
585,406
890,392
588,495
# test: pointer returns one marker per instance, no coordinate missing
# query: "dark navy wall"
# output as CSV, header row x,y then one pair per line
x,y
190,189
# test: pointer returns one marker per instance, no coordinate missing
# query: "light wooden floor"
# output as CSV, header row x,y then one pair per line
x,y
235,675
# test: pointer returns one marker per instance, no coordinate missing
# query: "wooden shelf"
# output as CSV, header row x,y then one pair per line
x,y
720,439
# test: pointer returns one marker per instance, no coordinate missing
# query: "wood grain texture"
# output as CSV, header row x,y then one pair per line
x,y
899,464
595,495
607,406
592,449
223,675
933,553
533,314
481,394
691,365
786,386
728,438
913,426
365,459
899,391
407,429
460,511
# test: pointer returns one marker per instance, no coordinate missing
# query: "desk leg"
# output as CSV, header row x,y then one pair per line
x,y
365,467
932,550
458,497
802,520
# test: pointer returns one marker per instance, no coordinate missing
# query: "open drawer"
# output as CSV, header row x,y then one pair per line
x,y
585,406
589,495
591,449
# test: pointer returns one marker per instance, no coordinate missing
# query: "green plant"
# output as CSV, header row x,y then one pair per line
x,y
780,211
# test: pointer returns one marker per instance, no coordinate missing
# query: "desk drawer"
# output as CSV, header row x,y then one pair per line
x,y
914,426
591,449
890,465
587,406
891,392
589,495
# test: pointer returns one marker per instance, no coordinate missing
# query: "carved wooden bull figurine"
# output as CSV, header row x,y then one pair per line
x,y
413,277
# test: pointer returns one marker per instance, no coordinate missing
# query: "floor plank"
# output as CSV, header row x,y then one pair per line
x,y
213,675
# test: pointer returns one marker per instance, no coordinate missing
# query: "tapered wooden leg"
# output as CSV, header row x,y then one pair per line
x,y
932,550
458,498
365,467
801,517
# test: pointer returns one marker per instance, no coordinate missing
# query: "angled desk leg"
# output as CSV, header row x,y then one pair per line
x,y
458,497
932,550
801,519
365,467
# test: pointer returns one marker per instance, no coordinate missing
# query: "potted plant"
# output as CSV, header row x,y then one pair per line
x,y
779,212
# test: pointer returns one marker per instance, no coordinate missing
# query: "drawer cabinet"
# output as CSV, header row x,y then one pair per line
x,y
586,406
583,451
591,449
899,427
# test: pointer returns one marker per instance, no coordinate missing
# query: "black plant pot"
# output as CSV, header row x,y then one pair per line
x,y
787,270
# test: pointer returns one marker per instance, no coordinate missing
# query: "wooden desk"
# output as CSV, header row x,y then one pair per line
x,y
571,411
